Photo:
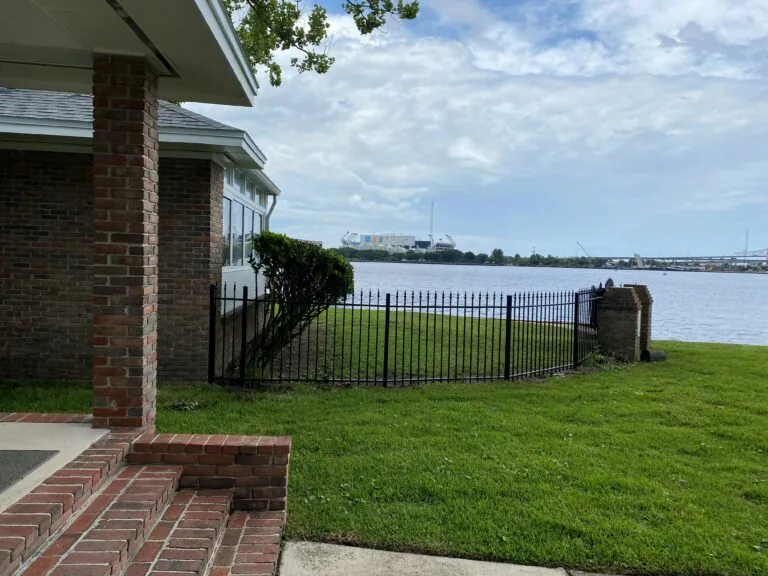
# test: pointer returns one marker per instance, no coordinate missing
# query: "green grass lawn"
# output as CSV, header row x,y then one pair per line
x,y
648,469
348,345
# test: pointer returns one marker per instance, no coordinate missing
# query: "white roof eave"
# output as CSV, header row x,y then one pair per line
x,y
216,15
253,150
40,127
191,45
265,183
236,143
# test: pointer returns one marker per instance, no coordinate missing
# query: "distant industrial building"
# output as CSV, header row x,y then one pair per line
x,y
396,243
400,243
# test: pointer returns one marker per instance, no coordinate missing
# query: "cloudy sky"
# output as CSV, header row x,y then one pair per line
x,y
628,125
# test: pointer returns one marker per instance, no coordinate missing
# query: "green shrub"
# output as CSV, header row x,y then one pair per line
x,y
303,281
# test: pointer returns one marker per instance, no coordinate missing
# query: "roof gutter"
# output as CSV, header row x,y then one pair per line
x,y
235,142
269,213
265,182
46,127
253,151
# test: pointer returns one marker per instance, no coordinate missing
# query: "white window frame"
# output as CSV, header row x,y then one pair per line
x,y
250,189
240,195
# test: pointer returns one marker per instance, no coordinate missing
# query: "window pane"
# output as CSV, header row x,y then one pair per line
x,y
238,181
237,234
230,171
250,186
263,199
248,248
226,233
259,224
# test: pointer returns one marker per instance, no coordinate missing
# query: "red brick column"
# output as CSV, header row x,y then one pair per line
x,y
619,321
125,156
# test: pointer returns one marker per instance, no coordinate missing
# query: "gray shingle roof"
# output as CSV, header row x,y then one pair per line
x,y
46,105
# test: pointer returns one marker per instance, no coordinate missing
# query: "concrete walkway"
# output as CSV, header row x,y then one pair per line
x,y
67,440
313,559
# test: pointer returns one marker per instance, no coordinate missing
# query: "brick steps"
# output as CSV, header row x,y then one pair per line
x,y
26,525
185,540
106,535
251,544
97,517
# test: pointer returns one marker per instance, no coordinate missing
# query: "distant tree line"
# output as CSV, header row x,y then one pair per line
x,y
495,258
498,258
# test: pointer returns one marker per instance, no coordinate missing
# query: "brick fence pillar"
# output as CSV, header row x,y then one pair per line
x,y
125,156
619,321
646,317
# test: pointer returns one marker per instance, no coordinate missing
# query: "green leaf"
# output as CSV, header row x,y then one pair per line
x,y
266,27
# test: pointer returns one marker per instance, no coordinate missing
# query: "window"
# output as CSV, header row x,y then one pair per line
x,y
241,225
226,232
237,234
250,187
238,185
249,222
263,199
230,172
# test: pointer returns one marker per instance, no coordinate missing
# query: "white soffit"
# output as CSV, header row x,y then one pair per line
x,y
48,44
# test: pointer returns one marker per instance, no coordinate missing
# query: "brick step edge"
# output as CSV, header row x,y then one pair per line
x,y
45,418
254,467
26,525
187,537
103,539
251,544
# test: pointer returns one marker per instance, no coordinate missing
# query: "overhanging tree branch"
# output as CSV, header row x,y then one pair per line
x,y
266,27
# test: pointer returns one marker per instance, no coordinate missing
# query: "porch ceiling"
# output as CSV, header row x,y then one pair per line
x,y
48,44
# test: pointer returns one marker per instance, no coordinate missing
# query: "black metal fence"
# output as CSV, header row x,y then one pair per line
x,y
396,339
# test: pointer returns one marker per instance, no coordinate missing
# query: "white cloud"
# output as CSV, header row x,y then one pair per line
x,y
471,155
666,101
469,13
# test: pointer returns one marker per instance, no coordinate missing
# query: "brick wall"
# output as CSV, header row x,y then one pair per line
x,y
619,321
45,254
190,244
46,251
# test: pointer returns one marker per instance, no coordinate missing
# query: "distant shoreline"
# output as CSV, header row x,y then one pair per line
x,y
552,267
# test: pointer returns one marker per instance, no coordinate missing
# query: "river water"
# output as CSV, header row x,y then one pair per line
x,y
688,306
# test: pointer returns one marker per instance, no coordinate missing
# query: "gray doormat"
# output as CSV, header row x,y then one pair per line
x,y
15,464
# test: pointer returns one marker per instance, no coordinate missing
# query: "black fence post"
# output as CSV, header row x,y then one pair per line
x,y
244,335
576,331
386,339
212,320
508,344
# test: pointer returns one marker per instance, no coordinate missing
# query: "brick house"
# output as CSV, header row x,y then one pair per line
x,y
216,197
118,212
113,200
